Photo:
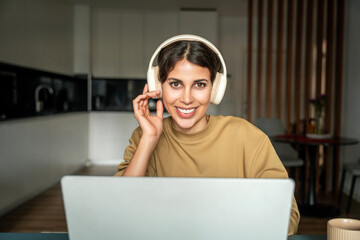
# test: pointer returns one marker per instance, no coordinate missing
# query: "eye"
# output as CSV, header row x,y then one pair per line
x,y
200,84
175,84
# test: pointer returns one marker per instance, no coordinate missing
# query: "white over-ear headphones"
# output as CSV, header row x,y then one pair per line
x,y
219,84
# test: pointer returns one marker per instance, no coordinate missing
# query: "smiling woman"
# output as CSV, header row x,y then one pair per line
x,y
191,143
186,96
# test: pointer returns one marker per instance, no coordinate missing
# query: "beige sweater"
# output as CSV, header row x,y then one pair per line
x,y
229,147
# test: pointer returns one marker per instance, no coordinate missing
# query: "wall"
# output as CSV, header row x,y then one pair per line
x,y
37,34
351,97
36,152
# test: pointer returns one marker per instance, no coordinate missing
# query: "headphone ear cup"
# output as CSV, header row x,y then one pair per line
x,y
218,88
215,87
153,81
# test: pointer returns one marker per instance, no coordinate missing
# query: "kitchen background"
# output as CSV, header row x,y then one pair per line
x,y
94,55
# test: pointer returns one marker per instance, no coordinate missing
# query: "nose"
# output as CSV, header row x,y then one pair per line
x,y
187,97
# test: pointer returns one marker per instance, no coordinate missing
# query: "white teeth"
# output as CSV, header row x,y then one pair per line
x,y
186,110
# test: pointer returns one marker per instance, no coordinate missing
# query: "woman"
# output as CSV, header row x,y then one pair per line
x,y
191,143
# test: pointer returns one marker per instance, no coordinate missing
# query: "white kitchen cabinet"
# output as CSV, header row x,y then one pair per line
x,y
131,45
82,37
124,41
202,23
105,42
117,43
159,26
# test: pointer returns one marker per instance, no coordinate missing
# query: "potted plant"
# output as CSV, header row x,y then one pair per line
x,y
319,107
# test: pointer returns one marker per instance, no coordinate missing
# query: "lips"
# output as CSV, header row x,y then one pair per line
x,y
186,112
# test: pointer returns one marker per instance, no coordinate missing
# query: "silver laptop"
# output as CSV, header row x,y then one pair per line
x,y
176,208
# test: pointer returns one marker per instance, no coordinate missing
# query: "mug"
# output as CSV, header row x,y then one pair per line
x,y
343,229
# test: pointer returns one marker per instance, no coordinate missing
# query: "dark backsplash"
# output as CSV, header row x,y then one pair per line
x,y
57,93
116,94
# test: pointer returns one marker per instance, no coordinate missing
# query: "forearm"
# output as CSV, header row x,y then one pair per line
x,y
139,162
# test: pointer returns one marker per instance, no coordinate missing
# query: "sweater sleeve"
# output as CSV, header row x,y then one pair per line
x,y
266,164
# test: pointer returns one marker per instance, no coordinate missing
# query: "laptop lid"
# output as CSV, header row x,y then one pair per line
x,y
176,208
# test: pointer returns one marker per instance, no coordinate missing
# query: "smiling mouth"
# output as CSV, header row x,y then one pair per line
x,y
185,111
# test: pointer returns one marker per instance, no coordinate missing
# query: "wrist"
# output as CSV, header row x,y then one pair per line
x,y
150,136
149,140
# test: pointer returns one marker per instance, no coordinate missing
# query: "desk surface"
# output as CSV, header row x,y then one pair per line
x,y
64,236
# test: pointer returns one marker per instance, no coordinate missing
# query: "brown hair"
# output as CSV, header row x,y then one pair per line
x,y
195,52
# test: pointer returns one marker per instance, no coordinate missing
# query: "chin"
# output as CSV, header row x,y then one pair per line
x,y
186,127
184,124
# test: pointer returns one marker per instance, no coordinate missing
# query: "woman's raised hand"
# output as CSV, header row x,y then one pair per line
x,y
151,126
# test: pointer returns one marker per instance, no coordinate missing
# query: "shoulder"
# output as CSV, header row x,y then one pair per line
x,y
136,134
240,129
236,124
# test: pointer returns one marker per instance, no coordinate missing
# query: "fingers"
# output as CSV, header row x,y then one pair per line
x,y
145,96
159,109
140,103
146,89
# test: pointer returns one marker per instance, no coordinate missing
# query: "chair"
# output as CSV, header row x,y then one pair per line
x,y
354,170
287,154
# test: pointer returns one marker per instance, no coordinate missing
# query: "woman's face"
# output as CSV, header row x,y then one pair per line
x,y
186,96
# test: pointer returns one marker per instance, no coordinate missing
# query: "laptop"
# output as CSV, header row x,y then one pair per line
x,y
176,208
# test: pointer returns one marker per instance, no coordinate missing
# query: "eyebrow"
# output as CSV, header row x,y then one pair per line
x,y
178,80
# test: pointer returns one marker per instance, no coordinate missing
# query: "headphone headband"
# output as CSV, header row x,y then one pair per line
x,y
220,87
188,37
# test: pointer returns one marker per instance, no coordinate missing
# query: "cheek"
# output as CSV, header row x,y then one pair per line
x,y
169,96
203,96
